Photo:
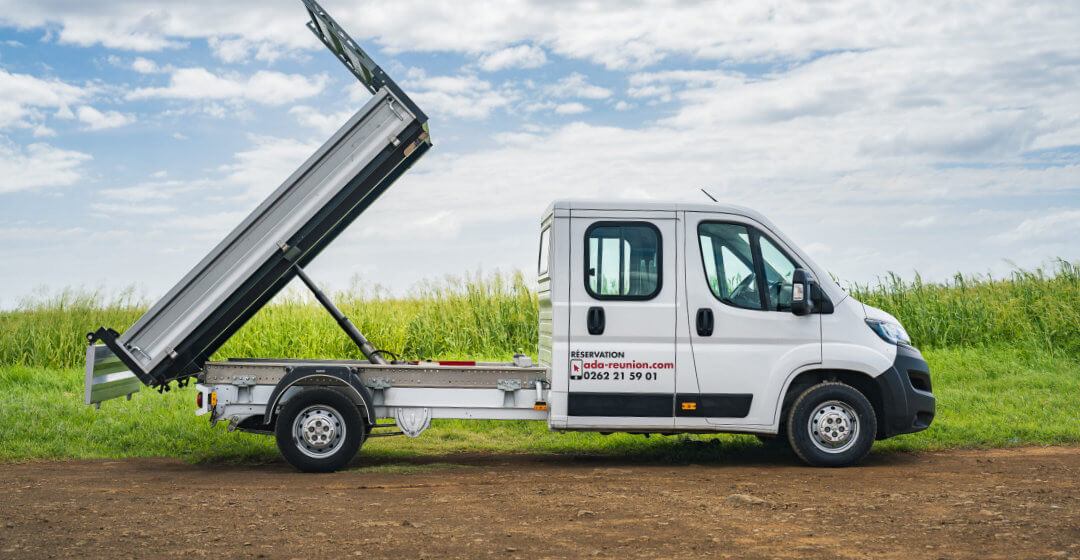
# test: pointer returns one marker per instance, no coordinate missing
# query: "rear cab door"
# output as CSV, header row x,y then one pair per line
x,y
623,299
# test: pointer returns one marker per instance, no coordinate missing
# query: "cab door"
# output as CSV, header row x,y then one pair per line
x,y
622,319
745,339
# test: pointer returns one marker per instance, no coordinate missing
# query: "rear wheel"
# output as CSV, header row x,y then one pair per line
x,y
319,430
831,425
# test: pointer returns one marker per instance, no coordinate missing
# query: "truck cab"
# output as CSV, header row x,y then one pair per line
x,y
673,317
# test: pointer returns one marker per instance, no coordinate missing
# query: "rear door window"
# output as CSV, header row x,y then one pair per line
x,y
545,248
622,260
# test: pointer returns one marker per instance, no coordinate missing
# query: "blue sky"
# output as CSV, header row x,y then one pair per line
x,y
943,138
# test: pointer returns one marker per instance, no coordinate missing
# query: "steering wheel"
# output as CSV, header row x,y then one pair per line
x,y
744,293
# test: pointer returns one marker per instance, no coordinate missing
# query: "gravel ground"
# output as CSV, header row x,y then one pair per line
x,y
1015,503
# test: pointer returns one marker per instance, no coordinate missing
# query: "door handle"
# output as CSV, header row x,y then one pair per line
x,y
705,321
594,319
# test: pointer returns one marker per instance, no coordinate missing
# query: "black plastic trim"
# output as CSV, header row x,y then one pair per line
x,y
659,405
635,405
906,409
542,266
713,405
343,374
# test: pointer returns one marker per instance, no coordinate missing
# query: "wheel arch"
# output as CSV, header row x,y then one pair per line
x,y
341,378
860,381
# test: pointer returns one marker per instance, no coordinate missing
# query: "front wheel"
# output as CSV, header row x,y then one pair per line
x,y
831,425
319,430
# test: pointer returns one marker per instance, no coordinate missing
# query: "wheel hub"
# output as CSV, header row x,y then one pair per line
x,y
833,426
319,431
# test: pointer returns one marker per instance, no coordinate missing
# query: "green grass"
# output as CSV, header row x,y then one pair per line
x,y
1005,356
491,317
1038,310
987,398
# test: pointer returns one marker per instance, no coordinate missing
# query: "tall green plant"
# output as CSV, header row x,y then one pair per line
x,y
495,316
1035,309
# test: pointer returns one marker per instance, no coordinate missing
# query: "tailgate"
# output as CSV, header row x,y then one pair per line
x,y
107,377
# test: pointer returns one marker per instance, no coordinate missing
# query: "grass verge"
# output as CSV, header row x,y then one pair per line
x,y
988,397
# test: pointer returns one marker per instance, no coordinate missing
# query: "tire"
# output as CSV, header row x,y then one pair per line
x,y
831,425
322,414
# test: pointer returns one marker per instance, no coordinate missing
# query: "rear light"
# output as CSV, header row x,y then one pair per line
x,y
198,399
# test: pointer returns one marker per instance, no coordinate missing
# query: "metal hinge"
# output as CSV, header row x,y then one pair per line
x,y
508,384
378,383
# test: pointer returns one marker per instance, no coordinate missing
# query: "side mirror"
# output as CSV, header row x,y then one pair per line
x,y
801,292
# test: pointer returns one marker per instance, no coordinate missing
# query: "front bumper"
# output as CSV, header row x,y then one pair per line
x,y
907,400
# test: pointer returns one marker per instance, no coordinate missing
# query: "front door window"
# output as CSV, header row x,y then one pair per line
x,y
729,264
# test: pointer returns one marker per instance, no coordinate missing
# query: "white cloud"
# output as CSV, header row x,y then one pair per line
x,y
265,87
97,120
157,190
260,169
853,124
234,50
27,233
131,209
23,95
520,56
613,33
576,85
38,166
324,124
465,96
573,108
920,222
144,65
1061,225
229,50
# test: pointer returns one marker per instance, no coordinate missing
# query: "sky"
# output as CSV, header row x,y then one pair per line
x,y
936,137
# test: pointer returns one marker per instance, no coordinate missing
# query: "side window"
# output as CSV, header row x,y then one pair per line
x,y
778,272
622,260
545,248
729,264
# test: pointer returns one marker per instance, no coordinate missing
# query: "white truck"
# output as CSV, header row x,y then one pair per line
x,y
654,318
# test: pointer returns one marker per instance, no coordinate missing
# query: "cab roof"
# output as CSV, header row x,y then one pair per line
x,y
653,205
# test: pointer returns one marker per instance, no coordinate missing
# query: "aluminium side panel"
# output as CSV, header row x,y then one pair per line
x,y
247,268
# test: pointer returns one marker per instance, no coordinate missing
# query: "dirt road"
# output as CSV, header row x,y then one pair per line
x,y
1020,503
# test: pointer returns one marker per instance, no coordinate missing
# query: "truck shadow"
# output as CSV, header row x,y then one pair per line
x,y
684,453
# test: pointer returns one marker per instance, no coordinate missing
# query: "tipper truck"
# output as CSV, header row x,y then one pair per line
x,y
655,318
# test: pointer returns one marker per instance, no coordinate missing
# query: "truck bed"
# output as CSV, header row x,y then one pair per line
x,y
179,333
174,339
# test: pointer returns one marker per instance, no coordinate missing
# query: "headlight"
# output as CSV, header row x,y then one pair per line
x,y
892,333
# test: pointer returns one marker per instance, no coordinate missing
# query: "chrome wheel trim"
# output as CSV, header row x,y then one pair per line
x,y
833,427
319,431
